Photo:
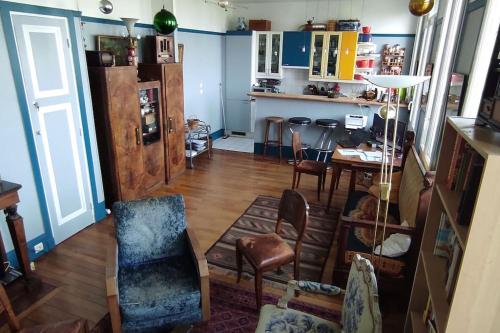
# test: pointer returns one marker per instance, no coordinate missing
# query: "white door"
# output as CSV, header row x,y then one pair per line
x,y
44,49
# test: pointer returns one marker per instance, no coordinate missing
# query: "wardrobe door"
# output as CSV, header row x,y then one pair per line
x,y
174,96
125,128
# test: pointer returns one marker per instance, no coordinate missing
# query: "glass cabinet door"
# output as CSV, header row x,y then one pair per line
x,y
261,53
317,53
275,53
333,56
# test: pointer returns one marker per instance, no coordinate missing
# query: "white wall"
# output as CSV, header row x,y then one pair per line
x,y
385,16
195,14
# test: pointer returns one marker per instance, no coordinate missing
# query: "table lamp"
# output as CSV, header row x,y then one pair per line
x,y
387,112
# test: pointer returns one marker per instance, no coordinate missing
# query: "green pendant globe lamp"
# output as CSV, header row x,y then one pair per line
x,y
165,22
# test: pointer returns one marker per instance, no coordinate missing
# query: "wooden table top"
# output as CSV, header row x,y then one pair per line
x,y
356,161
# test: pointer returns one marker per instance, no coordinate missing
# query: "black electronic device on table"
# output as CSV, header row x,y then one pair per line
x,y
354,138
378,130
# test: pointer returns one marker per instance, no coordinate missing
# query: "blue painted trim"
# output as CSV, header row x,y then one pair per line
x,y
11,255
217,134
90,19
28,130
394,35
203,32
33,9
100,211
83,113
239,33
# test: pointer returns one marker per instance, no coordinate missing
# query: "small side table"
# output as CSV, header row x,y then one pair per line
x,y
9,199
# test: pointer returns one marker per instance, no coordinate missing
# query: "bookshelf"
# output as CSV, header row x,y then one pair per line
x,y
455,286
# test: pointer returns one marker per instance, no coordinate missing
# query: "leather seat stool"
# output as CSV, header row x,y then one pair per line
x,y
279,141
325,141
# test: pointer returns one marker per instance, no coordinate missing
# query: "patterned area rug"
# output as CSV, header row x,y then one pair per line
x,y
260,218
233,310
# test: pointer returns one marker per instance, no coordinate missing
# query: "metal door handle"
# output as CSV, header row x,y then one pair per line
x,y
36,105
137,136
170,126
39,132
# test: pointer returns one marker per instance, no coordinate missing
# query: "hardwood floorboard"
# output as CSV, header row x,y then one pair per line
x,y
216,193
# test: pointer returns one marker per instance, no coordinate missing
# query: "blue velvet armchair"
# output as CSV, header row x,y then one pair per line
x,y
156,275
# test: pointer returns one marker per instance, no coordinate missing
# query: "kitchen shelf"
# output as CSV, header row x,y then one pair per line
x,y
435,275
416,322
450,200
367,56
366,69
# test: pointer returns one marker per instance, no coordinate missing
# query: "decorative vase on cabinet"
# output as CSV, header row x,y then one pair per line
x,y
269,54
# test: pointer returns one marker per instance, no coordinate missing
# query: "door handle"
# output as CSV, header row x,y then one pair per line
x,y
170,126
36,105
137,136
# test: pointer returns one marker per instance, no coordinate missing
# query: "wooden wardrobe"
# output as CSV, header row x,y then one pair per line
x,y
131,158
171,80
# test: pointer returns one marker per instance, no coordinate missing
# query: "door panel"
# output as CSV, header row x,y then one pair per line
x,y
318,46
126,131
275,54
238,115
238,66
175,119
262,53
46,61
348,50
332,62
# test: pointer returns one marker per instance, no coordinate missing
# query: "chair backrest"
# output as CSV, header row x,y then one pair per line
x,y
294,209
360,311
413,181
297,147
150,230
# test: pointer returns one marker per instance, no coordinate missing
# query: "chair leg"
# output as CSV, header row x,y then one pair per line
x,y
280,139
258,289
298,180
239,263
324,179
294,178
266,138
338,172
320,181
296,271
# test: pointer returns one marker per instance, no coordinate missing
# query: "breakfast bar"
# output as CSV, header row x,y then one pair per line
x,y
313,107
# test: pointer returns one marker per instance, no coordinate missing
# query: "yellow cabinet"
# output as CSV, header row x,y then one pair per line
x,y
333,55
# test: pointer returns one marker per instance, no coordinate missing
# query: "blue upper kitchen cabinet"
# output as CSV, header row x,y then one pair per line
x,y
296,48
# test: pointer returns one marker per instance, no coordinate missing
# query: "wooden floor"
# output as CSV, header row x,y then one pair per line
x,y
217,192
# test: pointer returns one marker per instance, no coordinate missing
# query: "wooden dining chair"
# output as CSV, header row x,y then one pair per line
x,y
269,251
310,167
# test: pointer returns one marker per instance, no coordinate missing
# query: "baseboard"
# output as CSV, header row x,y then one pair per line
x,y
100,211
287,152
217,134
11,255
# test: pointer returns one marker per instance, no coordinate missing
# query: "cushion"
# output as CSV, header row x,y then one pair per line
x,y
159,290
150,229
395,245
412,183
327,122
310,166
299,120
396,181
360,311
266,250
277,320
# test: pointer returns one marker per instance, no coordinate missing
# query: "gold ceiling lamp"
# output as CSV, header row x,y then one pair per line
x,y
420,7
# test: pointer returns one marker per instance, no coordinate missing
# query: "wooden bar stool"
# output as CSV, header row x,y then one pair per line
x,y
276,143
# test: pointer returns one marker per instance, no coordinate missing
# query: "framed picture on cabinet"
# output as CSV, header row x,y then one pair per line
x,y
116,44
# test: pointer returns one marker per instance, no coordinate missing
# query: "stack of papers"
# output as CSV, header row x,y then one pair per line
x,y
371,156
197,145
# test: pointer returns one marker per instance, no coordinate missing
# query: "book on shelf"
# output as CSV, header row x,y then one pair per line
x,y
444,238
453,269
471,188
457,154
429,317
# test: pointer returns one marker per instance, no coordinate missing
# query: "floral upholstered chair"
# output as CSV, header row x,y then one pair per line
x,y
360,311
156,275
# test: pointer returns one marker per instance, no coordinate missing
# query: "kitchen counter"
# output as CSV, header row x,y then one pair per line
x,y
317,98
311,106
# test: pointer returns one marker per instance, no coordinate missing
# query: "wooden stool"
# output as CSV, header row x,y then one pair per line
x,y
277,143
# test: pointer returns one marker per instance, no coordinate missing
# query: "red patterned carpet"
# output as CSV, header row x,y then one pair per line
x,y
233,311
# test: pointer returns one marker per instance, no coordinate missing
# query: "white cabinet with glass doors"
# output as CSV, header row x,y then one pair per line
x,y
269,51
325,55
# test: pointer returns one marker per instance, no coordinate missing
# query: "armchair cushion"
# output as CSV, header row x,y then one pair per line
x,y
359,240
276,320
165,291
149,230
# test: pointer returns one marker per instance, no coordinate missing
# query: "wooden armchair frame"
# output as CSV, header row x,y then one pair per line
x,y
112,285
415,232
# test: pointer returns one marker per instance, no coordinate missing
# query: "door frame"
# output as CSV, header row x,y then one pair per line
x,y
5,13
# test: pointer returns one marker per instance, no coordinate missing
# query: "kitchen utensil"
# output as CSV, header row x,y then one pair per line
x,y
362,63
366,29
365,38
